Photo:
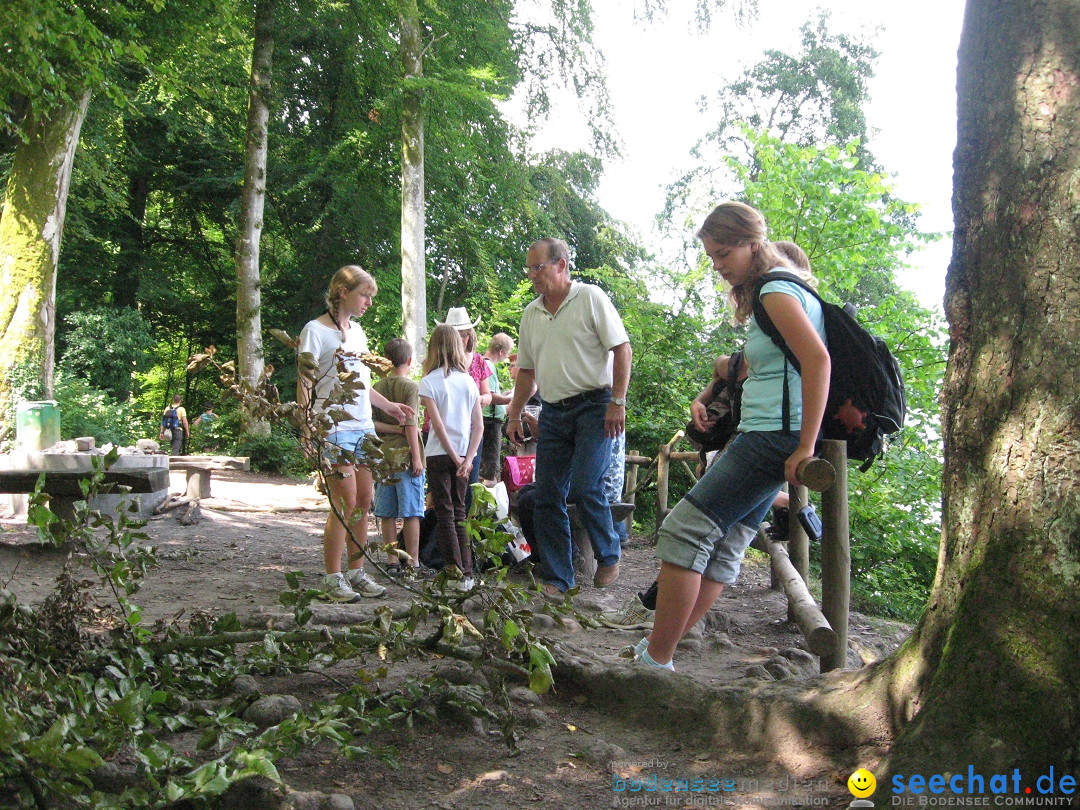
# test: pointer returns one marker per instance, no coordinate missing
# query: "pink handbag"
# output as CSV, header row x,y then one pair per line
x,y
518,471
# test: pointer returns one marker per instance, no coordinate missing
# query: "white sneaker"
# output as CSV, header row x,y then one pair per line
x,y
336,589
631,616
364,585
465,585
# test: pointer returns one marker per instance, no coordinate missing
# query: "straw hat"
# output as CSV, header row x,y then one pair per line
x,y
458,317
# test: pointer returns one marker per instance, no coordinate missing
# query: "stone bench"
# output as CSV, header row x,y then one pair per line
x,y
64,486
200,468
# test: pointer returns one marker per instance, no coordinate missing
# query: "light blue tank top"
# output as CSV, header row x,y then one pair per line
x,y
763,391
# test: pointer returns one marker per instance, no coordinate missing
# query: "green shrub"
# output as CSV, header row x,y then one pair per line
x,y
88,411
278,453
104,346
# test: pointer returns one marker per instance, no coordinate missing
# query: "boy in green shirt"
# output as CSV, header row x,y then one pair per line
x,y
405,497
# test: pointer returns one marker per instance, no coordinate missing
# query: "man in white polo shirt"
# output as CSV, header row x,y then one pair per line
x,y
572,344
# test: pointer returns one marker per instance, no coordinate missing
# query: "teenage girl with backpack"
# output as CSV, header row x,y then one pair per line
x,y
451,400
331,337
698,554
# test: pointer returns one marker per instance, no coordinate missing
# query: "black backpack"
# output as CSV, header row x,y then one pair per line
x,y
866,392
726,406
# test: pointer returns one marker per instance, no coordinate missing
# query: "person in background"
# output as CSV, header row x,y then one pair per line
x,y
330,338
529,416
207,417
404,498
452,403
498,351
174,419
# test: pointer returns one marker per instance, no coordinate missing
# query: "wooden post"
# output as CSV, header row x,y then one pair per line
x,y
663,462
816,474
836,554
798,542
630,488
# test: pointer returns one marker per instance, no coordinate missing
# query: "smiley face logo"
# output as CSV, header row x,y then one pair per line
x,y
861,783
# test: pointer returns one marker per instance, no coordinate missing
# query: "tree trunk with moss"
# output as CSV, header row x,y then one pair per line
x,y
413,213
249,343
996,677
31,226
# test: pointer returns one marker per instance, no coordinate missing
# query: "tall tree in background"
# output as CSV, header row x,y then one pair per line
x,y
249,344
31,227
413,209
57,56
814,97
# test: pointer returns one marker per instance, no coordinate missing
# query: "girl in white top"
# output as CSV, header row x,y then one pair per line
x,y
329,339
452,402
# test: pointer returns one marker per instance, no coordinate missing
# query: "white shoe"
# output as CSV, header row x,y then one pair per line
x,y
364,585
631,616
465,585
336,589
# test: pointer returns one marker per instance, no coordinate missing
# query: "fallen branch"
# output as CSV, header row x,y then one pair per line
x,y
350,636
170,503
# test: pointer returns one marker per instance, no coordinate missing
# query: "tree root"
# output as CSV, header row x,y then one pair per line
x,y
836,722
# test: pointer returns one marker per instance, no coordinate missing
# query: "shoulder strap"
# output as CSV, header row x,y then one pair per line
x,y
769,328
763,319
734,366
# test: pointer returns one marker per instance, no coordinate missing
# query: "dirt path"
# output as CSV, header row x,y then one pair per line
x,y
574,751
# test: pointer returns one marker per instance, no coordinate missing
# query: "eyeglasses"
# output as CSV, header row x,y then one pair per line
x,y
533,269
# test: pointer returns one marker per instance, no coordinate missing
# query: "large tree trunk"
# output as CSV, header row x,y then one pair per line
x,y
413,215
30,231
249,345
998,678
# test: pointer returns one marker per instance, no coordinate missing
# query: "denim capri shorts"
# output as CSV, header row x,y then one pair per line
x,y
709,530
341,442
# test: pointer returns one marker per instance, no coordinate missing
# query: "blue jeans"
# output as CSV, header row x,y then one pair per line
x,y
738,488
572,455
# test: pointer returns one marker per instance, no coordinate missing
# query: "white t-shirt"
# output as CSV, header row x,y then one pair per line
x,y
455,395
570,349
325,343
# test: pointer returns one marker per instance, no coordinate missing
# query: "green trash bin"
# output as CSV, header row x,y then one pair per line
x,y
37,425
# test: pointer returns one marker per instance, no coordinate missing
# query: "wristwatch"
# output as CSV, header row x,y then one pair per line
x,y
621,401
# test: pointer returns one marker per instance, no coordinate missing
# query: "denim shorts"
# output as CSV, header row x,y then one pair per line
x,y
709,530
349,441
402,499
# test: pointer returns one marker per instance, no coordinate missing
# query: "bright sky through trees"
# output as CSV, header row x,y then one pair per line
x,y
658,73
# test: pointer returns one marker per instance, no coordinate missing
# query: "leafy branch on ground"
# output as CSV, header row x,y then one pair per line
x,y
85,683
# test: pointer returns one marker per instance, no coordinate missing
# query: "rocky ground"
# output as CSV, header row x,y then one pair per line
x,y
606,728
